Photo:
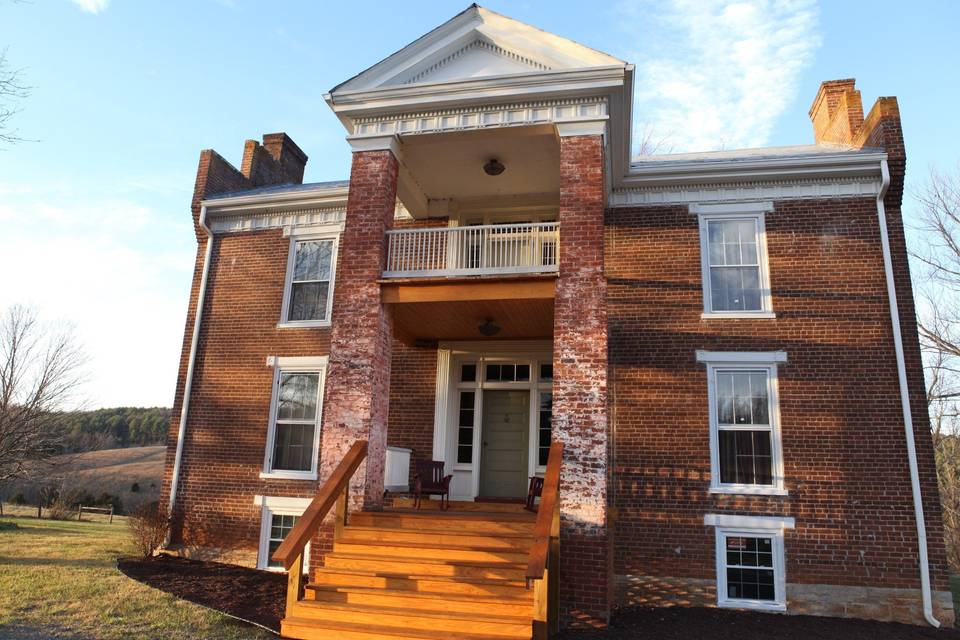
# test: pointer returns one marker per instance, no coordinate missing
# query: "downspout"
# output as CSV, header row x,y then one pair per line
x,y
188,384
905,401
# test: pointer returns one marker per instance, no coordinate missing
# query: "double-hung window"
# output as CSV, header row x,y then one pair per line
x,y
308,294
744,422
293,438
734,265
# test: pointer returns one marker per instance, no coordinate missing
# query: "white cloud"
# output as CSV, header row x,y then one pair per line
x,y
714,74
92,6
116,270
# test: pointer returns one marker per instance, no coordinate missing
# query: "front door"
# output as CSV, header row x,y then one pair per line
x,y
505,444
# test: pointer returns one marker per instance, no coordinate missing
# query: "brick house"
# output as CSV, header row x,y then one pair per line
x,y
724,343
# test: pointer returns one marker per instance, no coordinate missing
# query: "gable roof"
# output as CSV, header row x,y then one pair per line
x,y
477,43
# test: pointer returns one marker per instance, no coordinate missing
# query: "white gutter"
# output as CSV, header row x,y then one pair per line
x,y
195,339
905,402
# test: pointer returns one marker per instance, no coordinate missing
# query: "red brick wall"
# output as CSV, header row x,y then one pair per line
x,y
358,381
230,405
843,440
580,384
412,397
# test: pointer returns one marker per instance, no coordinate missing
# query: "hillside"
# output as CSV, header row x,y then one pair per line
x,y
111,471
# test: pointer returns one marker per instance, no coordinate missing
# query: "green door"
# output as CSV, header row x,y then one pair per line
x,y
505,444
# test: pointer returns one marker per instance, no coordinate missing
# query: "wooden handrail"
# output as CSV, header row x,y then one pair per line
x,y
549,505
543,565
292,547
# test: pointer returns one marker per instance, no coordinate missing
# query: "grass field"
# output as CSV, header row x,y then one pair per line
x,y
59,579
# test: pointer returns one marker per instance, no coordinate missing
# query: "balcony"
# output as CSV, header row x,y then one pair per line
x,y
482,250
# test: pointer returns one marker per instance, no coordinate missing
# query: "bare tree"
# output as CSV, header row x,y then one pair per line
x,y
12,90
40,374
938,254
652,143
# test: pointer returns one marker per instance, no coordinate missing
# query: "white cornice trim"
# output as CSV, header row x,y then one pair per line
x,y
258,220
584,109
387,142
321,196
708,171
746,191
582,128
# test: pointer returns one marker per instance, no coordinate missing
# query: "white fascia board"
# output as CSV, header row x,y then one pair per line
x,y
320,197
710,171
748,522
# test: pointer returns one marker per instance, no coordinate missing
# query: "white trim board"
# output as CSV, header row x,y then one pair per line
x,y
748,522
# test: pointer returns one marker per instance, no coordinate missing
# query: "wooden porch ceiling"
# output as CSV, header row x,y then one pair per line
x,y
455,309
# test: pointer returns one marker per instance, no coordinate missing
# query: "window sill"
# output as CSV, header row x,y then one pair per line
x,y
287,475
750,491
738,315
752,604
303,325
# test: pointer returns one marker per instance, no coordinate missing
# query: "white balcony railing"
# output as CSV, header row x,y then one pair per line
x,y
472,251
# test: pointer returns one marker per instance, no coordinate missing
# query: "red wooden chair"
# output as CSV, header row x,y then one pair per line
x,y
535,491
429,479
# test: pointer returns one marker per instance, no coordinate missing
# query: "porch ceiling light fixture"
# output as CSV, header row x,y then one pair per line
x,y
488,328
493,167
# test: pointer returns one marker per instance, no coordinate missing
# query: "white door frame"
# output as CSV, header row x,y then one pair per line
x,y
466,482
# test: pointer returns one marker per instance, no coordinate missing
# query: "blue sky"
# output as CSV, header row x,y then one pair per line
x,y
95,213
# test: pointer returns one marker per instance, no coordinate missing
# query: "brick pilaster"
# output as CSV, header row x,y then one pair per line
x,y
358,377
580,385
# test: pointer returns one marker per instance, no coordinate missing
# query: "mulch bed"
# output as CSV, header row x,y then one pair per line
x,y
248,594
689,623
258,597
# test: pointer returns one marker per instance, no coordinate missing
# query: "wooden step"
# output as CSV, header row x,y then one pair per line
x,y
427,566
437,537
408,551
493,625
414,601
482,524
483,587
462,505
308,629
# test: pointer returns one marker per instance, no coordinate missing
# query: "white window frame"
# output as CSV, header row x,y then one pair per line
x,y
308,235
310,364
753,211
280,506
754,527
717,361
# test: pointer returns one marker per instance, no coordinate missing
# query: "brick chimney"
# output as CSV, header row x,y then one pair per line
x,y
277,161
837,112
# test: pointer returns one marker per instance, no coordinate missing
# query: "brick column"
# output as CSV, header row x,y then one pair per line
x,y
357,394
580,385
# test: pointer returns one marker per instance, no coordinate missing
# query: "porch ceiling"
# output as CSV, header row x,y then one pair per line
x,y
460,320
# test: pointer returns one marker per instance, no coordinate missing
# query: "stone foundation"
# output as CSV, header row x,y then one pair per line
x,y
871,603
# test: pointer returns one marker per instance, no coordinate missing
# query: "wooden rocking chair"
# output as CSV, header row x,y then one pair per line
x,y
429,479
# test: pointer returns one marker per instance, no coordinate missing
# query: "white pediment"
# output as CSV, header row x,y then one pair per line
x,y
477,43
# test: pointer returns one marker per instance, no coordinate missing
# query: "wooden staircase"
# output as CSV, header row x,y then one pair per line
x,y
421,574
476,571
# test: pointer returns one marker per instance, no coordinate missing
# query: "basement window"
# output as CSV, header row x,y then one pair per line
x,y
750,561
308,294
293,438
278,515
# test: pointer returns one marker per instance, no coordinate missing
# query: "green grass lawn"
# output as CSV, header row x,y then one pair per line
x,y
59,579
